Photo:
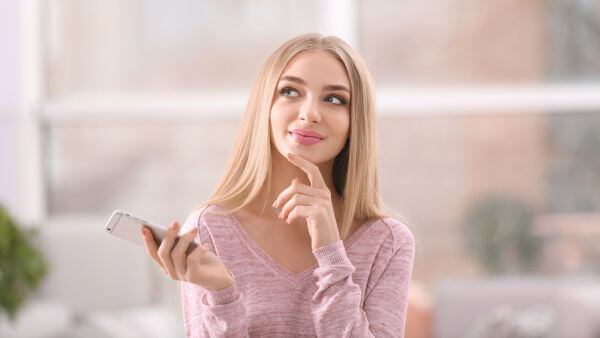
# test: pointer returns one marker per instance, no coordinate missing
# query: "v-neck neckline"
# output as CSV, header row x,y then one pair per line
x,y
298,278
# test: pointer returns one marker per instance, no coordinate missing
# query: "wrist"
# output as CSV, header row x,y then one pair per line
x,y
321,243
221,285
222,296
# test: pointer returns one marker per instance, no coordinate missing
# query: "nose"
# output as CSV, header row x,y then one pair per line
x,y
310,111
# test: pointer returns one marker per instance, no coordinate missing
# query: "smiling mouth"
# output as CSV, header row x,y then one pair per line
x,y
298,134
304,140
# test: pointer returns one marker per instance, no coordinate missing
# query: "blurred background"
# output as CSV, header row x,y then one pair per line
x,y
489,131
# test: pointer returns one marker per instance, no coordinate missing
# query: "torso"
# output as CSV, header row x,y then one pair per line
x,y
289,245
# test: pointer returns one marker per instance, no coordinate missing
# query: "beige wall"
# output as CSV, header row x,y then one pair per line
x,y
433,168
435,42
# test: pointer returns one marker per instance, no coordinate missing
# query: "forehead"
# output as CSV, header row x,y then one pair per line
x,y
318,67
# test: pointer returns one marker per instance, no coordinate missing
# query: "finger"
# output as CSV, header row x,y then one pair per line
x,y
150,245
295,201
164,250
299,212
312,171
295,188
194,259
178,255
197,253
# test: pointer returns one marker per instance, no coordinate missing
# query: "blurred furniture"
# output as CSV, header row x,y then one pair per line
x,y
419,318
554,308
98,286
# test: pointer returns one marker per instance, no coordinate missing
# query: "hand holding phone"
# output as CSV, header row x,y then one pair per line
x,y
200,267
178,256
126,226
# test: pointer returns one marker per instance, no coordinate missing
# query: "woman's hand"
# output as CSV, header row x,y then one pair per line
x,y
312,202
200,267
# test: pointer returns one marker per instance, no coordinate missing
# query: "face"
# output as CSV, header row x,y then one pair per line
x,y
312,95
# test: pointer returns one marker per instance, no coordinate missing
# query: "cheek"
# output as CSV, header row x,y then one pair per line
x,y
275,120
342,123
281,115
278,125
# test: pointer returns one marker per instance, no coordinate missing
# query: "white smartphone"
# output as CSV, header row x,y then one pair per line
x,y
128,227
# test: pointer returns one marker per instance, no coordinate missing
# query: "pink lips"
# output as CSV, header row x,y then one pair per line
x,y
306,137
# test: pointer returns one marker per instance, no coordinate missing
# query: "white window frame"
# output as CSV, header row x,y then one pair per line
x,y
31,195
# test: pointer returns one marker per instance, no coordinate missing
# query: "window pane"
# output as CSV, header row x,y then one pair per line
x,y
438,170
152,45
152,169
459,42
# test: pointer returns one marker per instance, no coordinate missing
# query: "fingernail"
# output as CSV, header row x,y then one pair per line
x,y
173,225
275,204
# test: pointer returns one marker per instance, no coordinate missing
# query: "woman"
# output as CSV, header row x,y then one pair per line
x,y
294,242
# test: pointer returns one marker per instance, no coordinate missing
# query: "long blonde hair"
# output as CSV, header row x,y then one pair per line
x,y
355,174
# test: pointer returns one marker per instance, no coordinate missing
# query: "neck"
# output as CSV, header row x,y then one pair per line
x,y
282,174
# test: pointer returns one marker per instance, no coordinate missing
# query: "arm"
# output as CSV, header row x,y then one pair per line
x,y
208,313
336,306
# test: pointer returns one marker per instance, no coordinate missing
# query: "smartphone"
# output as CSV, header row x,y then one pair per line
x,y
128,227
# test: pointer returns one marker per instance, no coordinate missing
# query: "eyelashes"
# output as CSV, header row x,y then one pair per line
x,y
286,90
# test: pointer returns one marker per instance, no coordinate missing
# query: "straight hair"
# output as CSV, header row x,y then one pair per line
x,y
355,170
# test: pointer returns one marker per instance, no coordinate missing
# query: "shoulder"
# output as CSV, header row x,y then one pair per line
x,y
386,235
400,232
212,215
397,233
212,221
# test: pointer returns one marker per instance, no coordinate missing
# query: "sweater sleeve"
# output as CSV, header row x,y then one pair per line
x,y
336,307
208,313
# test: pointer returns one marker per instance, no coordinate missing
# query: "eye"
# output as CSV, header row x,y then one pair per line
x,y
286,90
341,101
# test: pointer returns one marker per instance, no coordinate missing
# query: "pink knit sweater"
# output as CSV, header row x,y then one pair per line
x,y
358,288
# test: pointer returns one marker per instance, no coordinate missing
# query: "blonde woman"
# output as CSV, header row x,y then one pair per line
x,y
293,240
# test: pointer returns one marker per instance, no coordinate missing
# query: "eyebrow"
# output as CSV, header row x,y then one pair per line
x,y
326,87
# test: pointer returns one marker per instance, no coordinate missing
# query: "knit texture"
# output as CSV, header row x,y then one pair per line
x,y
358,288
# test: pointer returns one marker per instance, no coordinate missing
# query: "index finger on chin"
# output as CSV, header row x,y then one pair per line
x,y
312,170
